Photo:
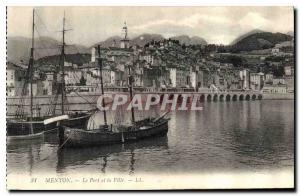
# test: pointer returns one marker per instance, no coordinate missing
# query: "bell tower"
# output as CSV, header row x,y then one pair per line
x,y
125,40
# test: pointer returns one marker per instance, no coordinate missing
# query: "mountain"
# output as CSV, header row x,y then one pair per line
x,y
109,42
140,40
78,59
259,41
291,33
18,48
254,31
184,39
145,38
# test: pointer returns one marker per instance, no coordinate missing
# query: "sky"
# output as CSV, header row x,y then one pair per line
x,y
219,25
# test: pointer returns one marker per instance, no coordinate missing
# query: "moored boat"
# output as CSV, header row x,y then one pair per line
x,y
30,125
148,127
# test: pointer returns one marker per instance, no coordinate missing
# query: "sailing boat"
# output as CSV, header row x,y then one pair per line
x,y
77,119
24,127
146,128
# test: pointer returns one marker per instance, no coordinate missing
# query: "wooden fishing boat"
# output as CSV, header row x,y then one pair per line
x,y
32,126
121,134
146,128
28,136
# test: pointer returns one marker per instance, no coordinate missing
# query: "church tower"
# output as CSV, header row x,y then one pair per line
x,y
125,40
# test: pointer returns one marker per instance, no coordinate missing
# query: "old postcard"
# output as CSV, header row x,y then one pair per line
x,y
150,98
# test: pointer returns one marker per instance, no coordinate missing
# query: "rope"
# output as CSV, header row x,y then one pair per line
x,y
54,152
63,144
50,130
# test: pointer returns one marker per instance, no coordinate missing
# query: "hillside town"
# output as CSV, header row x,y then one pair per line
x,y
166,65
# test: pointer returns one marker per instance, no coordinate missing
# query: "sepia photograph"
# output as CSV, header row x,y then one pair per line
x,y
150,98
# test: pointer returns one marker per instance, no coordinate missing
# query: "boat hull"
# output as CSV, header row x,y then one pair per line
x,y
27,128
80,121
82,138
39,135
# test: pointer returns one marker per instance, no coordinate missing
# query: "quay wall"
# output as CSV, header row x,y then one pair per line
x,y
278,96
88,101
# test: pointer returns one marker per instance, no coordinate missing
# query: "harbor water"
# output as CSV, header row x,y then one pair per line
x,y
224,137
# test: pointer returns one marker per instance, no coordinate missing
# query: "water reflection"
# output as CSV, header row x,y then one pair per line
x,y
68,157
225,136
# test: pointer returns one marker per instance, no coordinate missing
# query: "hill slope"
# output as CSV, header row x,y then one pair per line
x,y
259,41
195,40
254,31
18,48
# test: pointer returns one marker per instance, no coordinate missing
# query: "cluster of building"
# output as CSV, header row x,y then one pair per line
x,y
159,65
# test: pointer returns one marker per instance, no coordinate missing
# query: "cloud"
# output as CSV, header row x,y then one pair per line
x,y
214,24
255,21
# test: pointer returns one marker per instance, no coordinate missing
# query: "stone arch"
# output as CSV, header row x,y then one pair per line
x,y
221,97
161,98
202,98
215,97
253,97
247,97
208,98
234,97
179,99
259,97
241,97
228,97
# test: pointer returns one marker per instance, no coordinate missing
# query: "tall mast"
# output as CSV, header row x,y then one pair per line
x,y
31,67
63,67
130,92
101,83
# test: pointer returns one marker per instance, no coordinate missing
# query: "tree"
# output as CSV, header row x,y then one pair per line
x,y
278,71
82,81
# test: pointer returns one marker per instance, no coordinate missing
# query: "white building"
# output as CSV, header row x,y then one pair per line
x,y
173,77
72,76
193,79
279,88
48,84
14,79
245,77
93,54
288,70
112,77
256,81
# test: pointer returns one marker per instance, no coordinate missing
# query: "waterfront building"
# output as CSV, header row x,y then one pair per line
x,y
152,77
179,77
93,76
256,81
15,76
288,70
278,81
245,77
199,78
72,76
173,77
112,77
48,85
193,79
275,88
289,81
269,78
